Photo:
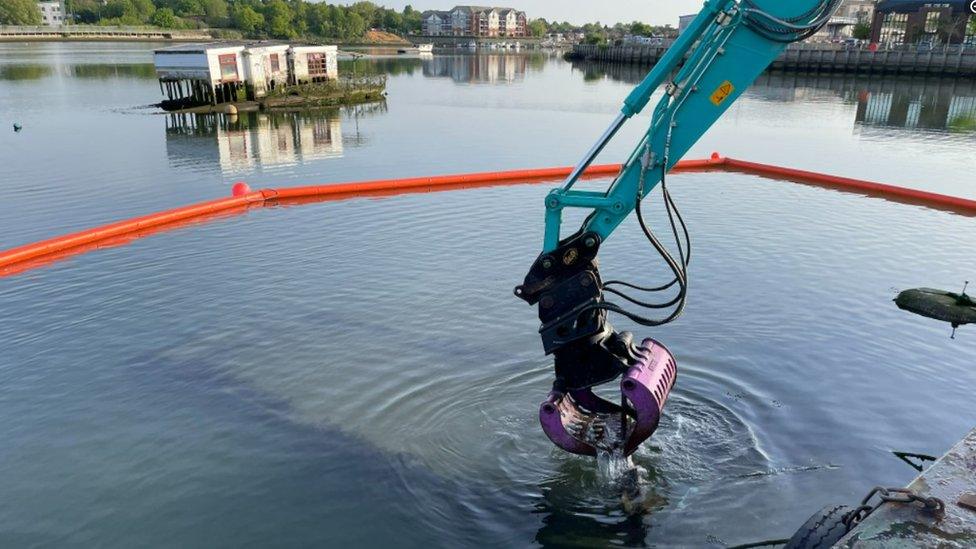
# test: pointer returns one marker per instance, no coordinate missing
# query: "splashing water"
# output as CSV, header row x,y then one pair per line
x,y
613,465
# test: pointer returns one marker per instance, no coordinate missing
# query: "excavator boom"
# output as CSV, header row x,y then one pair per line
x,y
706,69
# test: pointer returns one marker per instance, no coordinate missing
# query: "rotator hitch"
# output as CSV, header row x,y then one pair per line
x,y
566,285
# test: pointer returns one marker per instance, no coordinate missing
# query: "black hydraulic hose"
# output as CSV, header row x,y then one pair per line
x,y
687,258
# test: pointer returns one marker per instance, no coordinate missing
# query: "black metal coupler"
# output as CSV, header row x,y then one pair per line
x,y
566,285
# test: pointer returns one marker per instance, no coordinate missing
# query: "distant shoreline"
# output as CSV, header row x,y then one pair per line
x,y
11,39
181,40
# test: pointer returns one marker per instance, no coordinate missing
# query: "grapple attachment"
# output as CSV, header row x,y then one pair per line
x,y
582,423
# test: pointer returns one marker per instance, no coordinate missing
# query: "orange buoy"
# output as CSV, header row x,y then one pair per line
x,y
240,189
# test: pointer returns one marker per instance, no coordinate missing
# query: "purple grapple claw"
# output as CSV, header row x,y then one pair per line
x,y
582,423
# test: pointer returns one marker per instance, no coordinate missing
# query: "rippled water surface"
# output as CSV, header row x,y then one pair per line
x,y
358,372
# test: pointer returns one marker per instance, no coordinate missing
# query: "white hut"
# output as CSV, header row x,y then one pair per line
x,y
202,73
308,64
266,68
219,72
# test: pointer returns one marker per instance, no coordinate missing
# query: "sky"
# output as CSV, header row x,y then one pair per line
x,y
655,12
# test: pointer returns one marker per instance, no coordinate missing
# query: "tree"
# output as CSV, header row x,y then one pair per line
x,y
354,28
862,31
19,12
392,21
143,10
538,28
84,11
128,12
278,17
215,11
247,19
641,29
412,22
189,8
166,18
597,38
368,11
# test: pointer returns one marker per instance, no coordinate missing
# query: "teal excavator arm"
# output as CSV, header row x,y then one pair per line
x,y
721,53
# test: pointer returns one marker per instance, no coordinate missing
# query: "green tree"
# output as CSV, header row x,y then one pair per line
x,y
247,19
369,12
143,10
215,11
128,12
538,27
392,21
862,31
641,29
355,27
19,12
189,8
166,18
278,17
85,11
412,22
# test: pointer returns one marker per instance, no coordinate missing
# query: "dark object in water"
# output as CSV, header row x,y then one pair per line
x,y
956,309
17,127
582,423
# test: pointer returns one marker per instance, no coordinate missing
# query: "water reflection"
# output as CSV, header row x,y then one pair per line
x,y
25,72
240,142
106,70
900,103
37,71
936,110
578,509
490,69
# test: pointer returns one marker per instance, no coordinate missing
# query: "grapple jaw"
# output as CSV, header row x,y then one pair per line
x,y
566,285
582,423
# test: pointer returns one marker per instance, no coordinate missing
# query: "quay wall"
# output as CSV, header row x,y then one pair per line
x,y
941,61
94,33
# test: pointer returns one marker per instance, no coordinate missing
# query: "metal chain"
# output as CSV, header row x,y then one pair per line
x,y
933,505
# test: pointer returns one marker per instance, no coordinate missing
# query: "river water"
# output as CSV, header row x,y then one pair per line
x,y
359,373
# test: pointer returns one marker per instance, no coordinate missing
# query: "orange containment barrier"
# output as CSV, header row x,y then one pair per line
x,y
36,254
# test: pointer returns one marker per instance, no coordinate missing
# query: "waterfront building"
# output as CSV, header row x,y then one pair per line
x,y
848,15
684,21
52,13
219,72
476,21
922,22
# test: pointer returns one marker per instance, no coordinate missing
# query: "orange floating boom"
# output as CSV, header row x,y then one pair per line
x,y
33,255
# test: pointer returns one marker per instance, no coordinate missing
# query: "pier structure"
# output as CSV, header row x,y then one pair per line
x,y
223,72
952,60
45,33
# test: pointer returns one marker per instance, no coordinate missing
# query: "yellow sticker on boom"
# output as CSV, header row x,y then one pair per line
x,y
724,90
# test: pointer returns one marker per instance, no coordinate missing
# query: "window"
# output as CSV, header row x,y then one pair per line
x,y
932,21
228,67
316,64
275,65
893,27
